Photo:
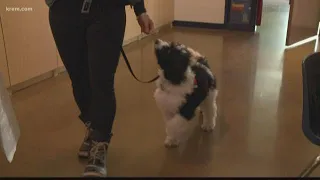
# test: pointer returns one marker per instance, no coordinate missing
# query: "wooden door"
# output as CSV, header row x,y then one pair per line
x,y
303,20
3,60
29,43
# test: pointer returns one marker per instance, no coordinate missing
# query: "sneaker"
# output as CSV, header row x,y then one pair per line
x,y
86,145
96,166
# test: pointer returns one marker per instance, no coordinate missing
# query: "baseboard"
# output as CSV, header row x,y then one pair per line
x,y
25,84
20,86
199,25
59,70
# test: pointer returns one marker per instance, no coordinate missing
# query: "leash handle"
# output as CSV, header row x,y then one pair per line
x,y
131,71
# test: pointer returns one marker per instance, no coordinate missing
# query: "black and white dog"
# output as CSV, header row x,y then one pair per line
x,y
185,83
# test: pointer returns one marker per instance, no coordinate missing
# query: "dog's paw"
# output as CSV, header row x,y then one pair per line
x,y
207,127
171,143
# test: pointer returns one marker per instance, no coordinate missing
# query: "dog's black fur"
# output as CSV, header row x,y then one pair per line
x,y
174,60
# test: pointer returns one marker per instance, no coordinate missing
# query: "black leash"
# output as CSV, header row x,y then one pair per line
x,y
131,71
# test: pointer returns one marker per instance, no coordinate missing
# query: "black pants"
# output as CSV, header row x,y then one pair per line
x,y
89,46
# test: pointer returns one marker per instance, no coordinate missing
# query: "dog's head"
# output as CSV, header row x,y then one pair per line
x,y
174,60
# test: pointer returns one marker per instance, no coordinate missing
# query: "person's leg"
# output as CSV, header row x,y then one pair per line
x,y
104,37
69,32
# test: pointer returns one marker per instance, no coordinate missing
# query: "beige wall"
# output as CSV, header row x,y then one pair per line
x,y
209,11
161,11
306,13
29,49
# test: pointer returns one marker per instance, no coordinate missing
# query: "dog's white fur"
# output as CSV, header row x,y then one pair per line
x,y
169,97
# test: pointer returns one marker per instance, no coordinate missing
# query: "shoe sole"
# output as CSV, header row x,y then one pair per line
x,y
93,174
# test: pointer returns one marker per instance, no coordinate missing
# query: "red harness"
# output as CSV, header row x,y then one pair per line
x,y
195,83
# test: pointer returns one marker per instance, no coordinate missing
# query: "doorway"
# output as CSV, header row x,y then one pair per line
x,y
303,22
274,15
291,22
241,15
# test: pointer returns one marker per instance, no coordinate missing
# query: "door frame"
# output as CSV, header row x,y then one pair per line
x,y
289,27
291,5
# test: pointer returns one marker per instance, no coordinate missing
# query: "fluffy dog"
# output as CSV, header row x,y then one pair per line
x,y
185,84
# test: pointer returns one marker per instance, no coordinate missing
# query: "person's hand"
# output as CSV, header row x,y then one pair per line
x,y
145,22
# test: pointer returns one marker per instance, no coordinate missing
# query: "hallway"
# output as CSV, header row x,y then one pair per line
x,y
259,118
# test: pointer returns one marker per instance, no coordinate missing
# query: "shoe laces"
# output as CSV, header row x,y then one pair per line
x,y
97,152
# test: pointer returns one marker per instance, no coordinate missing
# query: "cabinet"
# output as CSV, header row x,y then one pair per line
x,y
28,40
3,61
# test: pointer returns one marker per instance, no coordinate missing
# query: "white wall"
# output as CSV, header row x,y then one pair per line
x,y
275,2
208,11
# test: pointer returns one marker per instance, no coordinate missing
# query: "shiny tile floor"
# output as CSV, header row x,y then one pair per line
x,y
259,122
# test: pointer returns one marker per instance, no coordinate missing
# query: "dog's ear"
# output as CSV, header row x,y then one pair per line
x,y
185,52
